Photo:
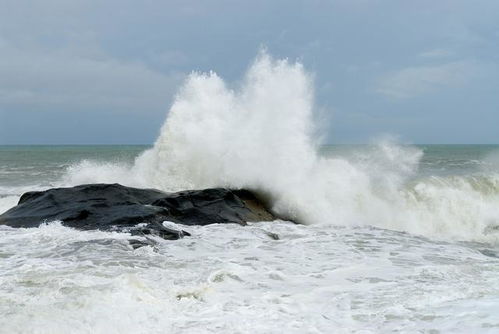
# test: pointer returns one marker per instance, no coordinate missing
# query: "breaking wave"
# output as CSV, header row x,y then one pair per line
x,y
260,135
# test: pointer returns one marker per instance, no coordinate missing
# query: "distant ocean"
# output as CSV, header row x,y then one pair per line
x,y
391,237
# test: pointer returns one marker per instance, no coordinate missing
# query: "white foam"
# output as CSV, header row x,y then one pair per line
x,y
235,279
260,135
7,202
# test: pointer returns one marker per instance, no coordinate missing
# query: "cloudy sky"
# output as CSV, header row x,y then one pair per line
x,y
93,71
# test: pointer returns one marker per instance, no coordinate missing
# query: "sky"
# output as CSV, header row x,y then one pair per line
x,y
105,72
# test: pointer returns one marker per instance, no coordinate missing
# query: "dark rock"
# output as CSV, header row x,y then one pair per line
x,y
113,207
136,243
273,236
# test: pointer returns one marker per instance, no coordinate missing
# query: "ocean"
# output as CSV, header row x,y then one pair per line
x,y
324,277
390,237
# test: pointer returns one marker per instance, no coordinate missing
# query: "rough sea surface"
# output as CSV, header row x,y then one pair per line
x,y
392,238
318,278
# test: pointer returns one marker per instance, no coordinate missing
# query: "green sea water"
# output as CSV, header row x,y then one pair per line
x,y
45,165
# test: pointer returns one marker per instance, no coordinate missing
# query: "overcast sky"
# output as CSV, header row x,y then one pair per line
x,y
94,71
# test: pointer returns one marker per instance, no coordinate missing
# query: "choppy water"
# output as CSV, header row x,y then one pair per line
x,y
319,278
393,238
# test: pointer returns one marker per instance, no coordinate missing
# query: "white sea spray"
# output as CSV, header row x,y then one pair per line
x,y
334,273
260,135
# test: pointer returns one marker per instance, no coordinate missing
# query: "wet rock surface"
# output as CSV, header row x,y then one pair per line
x,y
113,207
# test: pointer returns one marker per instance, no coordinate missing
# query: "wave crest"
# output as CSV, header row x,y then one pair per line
x,y
260,136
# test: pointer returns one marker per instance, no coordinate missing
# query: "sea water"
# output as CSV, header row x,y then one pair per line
x,y
389,237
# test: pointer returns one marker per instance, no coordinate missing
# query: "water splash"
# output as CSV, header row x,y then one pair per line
x,y
260,136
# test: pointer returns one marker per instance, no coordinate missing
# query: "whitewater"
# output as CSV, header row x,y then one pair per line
x,y
378,238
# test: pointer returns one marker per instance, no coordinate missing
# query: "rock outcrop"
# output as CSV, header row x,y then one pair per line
x,y
113,207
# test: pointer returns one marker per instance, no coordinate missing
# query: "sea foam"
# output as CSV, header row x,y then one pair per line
x,y
261,135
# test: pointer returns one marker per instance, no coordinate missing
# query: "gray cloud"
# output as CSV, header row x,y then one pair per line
x,y
437,53
400,63
415,81
62,79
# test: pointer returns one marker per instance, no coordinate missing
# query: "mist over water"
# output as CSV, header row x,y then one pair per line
x,y
260,135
